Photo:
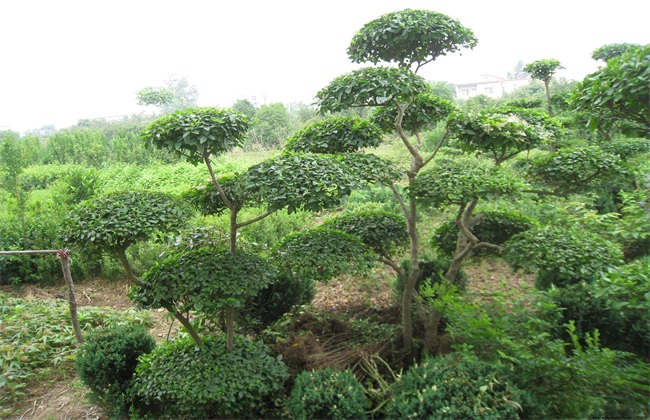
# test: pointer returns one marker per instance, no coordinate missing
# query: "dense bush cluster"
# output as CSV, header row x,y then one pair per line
x,y
107,361
179,379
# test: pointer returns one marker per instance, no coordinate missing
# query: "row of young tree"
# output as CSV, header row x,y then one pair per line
x,y
324,162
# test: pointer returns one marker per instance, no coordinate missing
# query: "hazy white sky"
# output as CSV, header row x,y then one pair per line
x,y
64,60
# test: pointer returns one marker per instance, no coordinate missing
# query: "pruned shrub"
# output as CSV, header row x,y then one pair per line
x,y
452,387
327,394
626,148
495,227
562,256
181,380
107,361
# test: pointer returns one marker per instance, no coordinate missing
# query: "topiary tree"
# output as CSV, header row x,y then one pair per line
x,y
114,222
544,70
410,38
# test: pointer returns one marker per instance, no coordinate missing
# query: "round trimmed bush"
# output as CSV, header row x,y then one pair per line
x,y
107,361
180,380
327,394
457,386
432,271
496,227
562,256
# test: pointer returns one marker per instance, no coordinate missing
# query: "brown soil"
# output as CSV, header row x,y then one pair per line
x,y
62,396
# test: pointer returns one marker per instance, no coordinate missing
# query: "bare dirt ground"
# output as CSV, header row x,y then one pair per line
x,y
63,396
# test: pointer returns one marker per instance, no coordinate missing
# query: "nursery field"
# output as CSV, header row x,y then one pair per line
x,y
392,253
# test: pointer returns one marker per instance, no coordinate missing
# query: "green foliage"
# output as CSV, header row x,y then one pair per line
x,y
155,96
619,90
205,280
370,86
494,226
278,298
79,184
626,147
38,334
571,170
384,232
246,107
459,181
271,125
206,198
503,132
368,169
198,133
322,254
327,394
554,380
116,221
180,380
409,37
543,69
562,256
337,134
309,182
451,387
422,113
431,276
107,360
609,51
37,230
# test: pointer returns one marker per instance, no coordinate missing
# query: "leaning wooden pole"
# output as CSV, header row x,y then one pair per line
x,y
62,254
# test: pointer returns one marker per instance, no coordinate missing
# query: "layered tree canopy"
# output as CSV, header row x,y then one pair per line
x,y
409,38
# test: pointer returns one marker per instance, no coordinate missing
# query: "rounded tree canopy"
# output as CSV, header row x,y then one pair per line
x,y
503,132
307,181
322,254
371,86
543,69
338,134
384,232
573,169
198,133
409,37
461,180
114,222
425,111
205,280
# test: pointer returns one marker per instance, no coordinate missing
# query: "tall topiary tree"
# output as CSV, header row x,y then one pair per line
x,y
544,70
410,38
